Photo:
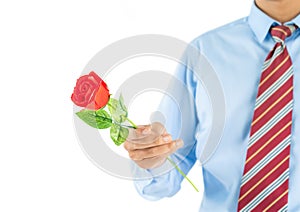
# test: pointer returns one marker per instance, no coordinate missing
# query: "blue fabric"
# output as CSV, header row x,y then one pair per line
x,y
237,52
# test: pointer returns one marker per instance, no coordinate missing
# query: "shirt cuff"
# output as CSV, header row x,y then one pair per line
x,y
144,178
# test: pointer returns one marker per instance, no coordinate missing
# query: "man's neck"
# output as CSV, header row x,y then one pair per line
x,y
280,10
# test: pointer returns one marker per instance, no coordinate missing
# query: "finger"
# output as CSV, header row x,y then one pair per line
x,y
158,128
149,163
142,132
143,129
141,154
161,140
146,129
146,134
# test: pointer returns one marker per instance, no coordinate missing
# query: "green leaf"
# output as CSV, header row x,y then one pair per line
x,y
105,119
118,134
122,104
99,119
112,105
118,109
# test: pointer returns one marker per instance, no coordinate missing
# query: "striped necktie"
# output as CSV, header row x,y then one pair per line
x,y
264,185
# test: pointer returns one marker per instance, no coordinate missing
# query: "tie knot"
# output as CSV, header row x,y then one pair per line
x,y
281,32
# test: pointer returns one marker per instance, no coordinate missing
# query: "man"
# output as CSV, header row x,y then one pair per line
x,y
256,165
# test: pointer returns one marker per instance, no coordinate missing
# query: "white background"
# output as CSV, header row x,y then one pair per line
x,y
44,46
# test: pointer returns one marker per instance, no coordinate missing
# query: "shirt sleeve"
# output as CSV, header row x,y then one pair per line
x,y
180,119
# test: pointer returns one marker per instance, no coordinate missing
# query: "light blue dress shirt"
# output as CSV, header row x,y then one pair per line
x,y
237,52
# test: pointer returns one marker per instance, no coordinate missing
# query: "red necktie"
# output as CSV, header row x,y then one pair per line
x,y
265,180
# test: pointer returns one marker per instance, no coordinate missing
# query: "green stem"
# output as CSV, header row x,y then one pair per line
x,y
182,173
123,125
132,123
127,126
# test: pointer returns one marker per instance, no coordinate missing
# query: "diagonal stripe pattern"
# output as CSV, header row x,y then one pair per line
x,y
265,180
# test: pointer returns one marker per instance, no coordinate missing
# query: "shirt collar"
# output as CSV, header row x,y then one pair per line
x,y
260,22
296,21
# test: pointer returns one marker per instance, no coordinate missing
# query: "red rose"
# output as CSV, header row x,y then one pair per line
x,y
90,92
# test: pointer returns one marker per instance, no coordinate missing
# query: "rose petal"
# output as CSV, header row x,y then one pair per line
x,y
95,77
102,97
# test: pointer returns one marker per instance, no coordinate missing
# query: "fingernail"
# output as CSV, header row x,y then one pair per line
x,y
166,138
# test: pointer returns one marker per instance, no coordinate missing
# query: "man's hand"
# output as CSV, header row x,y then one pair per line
x,y
150,145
